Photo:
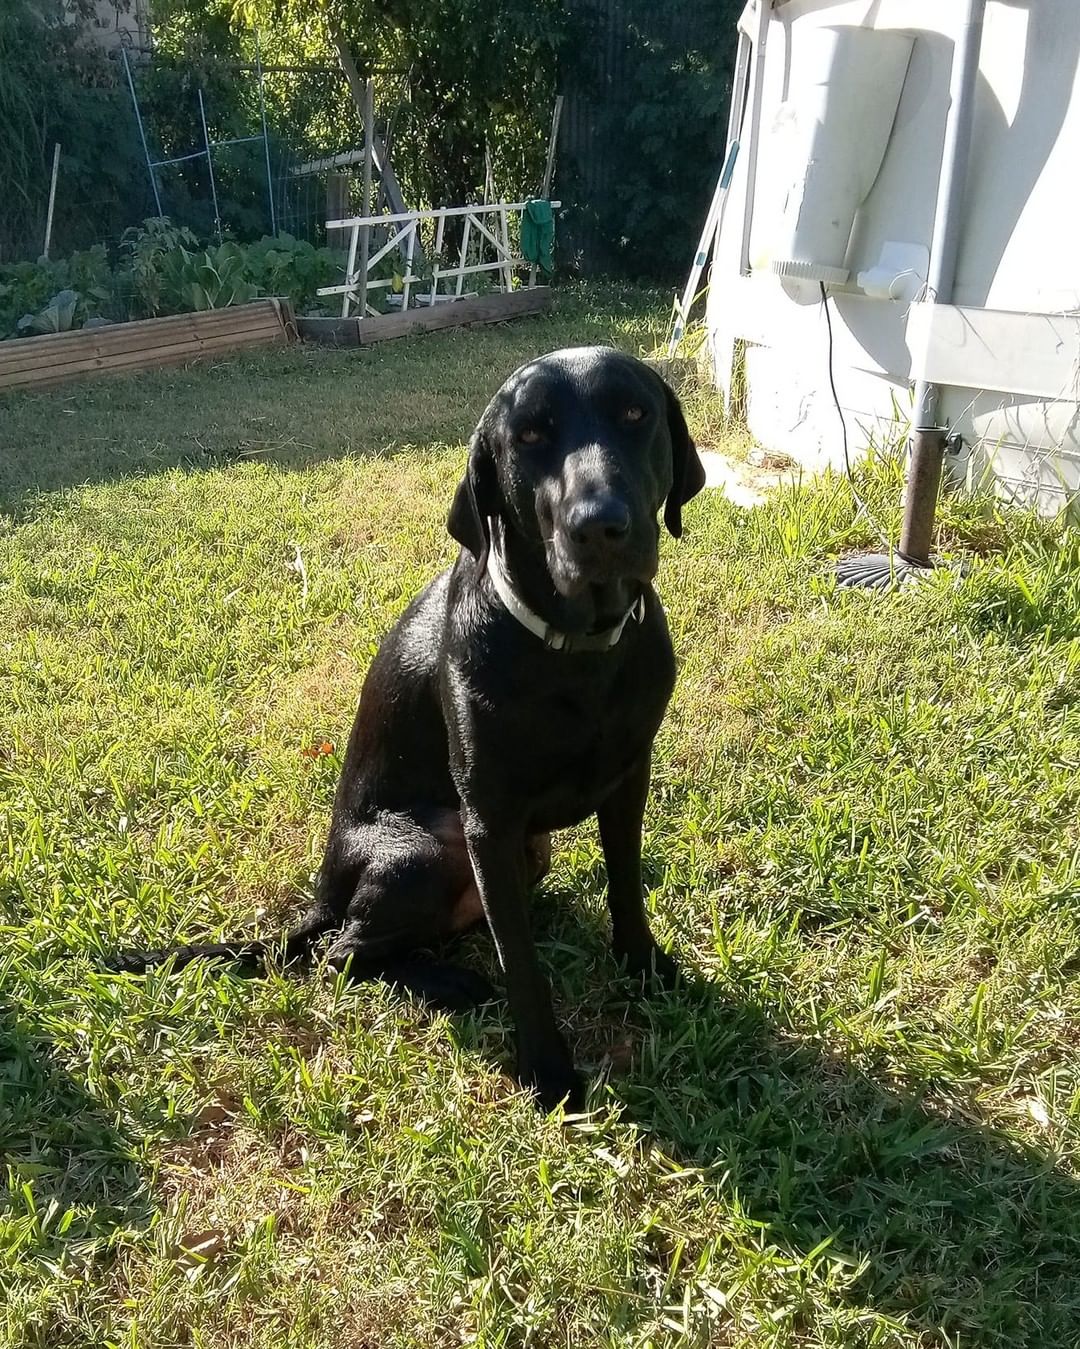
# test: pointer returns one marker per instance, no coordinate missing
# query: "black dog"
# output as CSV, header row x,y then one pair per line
x,y
519,693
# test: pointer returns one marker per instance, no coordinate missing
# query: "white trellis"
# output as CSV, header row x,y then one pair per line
x,y
487,226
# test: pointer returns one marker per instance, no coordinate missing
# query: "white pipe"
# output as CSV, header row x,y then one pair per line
x,y
952,181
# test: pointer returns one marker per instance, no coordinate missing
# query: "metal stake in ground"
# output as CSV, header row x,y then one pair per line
x,y
142,130
52,199
210,166
881,571
265,137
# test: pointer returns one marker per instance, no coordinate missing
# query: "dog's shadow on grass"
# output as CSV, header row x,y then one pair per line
x,y
960,1228
71,1182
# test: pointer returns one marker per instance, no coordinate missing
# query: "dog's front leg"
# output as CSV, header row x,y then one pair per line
x,y
544,1063
620,817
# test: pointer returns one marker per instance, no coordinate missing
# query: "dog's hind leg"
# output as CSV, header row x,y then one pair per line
x,y
396,886
411,889
416,889
342,865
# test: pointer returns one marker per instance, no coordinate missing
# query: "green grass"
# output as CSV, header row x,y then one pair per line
x,y
856,1126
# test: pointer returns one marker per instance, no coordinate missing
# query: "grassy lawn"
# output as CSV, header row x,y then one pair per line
x,y
858,1123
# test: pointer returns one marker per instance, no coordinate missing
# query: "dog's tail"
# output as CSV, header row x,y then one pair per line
x,y
446,987
249,955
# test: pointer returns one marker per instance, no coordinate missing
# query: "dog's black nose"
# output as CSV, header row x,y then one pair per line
x,y
598,520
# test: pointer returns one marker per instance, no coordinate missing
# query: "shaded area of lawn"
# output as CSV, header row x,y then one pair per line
x,y
936,1213
856,1125
299,405
75,1187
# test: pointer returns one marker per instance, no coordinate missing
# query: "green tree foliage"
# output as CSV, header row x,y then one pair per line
x,y
204,46
647,84
451,76
652,84
57,87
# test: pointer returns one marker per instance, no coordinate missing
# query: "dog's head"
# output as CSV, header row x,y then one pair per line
x,y
577,454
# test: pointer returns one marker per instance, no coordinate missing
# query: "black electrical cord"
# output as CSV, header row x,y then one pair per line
x,y
859,502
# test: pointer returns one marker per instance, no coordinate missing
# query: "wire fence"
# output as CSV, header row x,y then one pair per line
x,y
190,143
224,149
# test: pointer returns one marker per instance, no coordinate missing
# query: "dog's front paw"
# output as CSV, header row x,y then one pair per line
x,y
650,966
553,1079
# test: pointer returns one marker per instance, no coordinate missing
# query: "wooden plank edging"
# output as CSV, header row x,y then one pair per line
x,y
176,353
495,308
32,361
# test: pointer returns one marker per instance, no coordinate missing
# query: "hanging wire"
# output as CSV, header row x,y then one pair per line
x,y
862,508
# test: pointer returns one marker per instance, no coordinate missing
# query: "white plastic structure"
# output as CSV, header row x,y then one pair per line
x,y
824,149
899,274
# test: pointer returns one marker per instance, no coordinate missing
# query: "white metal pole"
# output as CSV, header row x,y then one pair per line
x,y
408,266
52,199
704,248
738,86
369,149
504,233
752,138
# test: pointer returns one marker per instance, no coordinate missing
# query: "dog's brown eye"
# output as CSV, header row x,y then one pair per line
x,y
529,436
633,414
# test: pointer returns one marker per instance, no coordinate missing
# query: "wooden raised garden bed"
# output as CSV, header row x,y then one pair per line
x,y
30,362
359,332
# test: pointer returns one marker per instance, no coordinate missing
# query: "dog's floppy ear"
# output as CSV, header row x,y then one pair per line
x,y
475,501
688,472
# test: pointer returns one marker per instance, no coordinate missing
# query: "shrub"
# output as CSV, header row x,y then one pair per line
x,y
160,268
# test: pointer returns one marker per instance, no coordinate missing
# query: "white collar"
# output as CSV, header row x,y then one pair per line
x,y
552,637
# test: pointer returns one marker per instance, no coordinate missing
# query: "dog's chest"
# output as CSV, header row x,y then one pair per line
x,y
584,746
